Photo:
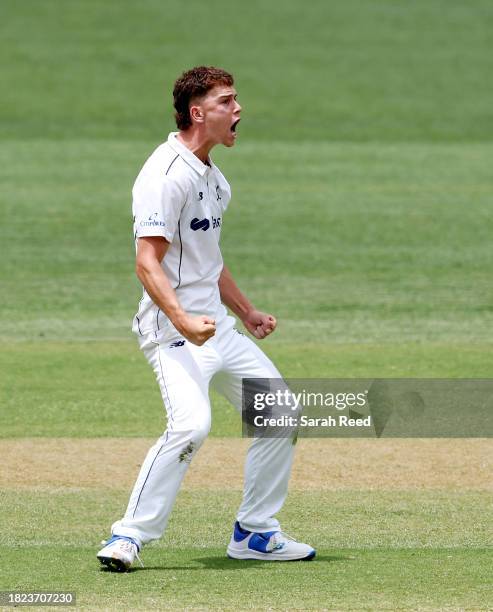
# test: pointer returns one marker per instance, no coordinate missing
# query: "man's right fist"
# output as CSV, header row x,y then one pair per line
x,y
198,329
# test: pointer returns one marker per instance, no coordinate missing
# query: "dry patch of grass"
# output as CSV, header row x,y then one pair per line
x,y
319,465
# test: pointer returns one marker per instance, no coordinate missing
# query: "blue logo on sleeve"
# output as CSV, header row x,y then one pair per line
x,y
152,221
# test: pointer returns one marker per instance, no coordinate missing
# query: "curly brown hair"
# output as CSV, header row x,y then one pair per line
x,y
195,83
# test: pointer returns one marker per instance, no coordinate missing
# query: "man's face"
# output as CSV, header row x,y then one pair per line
x,y
220,114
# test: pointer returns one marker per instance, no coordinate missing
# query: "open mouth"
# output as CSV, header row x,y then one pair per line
x,y
233,127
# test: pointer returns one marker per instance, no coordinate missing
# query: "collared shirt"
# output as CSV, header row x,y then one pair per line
x,y
182,199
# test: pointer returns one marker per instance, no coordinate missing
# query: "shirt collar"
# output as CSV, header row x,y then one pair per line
x,y
187,155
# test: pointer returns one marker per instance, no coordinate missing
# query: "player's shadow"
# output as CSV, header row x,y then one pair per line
x,y
223,563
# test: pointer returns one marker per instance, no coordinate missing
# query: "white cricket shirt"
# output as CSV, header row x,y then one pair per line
x,y
178,197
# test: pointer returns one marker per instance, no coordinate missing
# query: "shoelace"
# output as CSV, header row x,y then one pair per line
x,y
128,547
279,540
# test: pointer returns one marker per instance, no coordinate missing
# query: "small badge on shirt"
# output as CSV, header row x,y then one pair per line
x,y
177,344
152,221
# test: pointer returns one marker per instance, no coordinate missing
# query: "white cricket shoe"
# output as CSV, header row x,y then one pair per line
x,y
118,553
270,546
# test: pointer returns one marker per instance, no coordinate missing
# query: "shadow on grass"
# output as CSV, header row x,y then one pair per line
x,y
224,563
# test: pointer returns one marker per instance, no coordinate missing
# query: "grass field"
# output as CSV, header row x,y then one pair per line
x,y
360,217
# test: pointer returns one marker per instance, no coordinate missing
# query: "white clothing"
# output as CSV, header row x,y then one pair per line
x,y
184,371
180,198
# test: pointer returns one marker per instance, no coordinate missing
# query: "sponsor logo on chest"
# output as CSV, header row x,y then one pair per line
x,y
204,224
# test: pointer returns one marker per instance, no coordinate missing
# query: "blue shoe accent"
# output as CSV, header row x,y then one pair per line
x,y
259,541
119,537
239,533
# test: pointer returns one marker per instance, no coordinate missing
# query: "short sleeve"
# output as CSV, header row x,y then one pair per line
x,y
156,207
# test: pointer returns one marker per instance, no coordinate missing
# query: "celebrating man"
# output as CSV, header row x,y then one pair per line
x,y
179,199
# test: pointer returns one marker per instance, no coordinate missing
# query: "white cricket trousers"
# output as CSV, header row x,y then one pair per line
x,y
184,372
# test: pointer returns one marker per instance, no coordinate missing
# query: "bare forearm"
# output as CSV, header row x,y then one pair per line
x,y
157,285
259,324
150,253
231,295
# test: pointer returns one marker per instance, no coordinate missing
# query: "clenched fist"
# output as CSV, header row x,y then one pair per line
x,y
259,324
197,329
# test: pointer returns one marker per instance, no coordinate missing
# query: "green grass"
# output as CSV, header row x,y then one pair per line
x,y
192,578
358,70
81,388
375,258
360,217
438,540
354,243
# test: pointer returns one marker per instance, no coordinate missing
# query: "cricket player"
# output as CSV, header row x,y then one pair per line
x,y
179,201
